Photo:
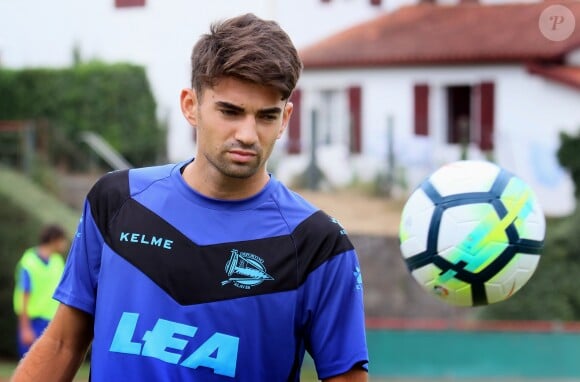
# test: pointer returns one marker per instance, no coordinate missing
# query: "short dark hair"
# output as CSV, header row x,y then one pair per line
x,y
247,48
51,233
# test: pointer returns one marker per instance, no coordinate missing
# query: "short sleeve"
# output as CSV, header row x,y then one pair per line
x,y
78,285
24,280
336,325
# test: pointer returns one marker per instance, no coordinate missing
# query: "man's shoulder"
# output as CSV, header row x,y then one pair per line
x,y
292,206
113,189
126,181
310,218
57,259
152,173
28,255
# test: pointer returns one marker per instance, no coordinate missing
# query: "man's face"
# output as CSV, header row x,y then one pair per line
x,y
60,245
237,125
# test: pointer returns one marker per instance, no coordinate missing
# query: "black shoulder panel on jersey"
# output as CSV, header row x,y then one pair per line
x,y
194,274
106,197
318,238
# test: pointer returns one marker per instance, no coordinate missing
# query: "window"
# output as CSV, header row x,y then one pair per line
x,y
470,114
327,133
129,3
459,121
338,118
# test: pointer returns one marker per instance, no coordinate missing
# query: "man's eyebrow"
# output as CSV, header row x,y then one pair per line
x,y
231,106
227,105
271,110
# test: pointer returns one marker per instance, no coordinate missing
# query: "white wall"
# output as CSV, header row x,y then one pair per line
x,y
536,110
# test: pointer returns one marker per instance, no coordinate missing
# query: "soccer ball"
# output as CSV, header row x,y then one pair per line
x,y
471,233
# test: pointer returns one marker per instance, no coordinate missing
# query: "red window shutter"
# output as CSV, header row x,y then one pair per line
x,y
355,108
129,3
421,110
487,99
294,127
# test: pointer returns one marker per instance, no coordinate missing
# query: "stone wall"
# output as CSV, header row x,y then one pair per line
x,y
390,290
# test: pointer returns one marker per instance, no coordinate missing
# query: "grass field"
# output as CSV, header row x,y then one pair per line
x,y
7,367
309,375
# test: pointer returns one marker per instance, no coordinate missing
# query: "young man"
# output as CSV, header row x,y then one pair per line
x,y
37,275
211,269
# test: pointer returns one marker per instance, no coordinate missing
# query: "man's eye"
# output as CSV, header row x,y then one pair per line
x,y
270,117
229,112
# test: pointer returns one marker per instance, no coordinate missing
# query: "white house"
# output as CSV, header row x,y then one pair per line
x,y
420,79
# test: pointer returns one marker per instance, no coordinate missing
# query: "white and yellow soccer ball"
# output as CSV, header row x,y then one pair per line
x,y
471,233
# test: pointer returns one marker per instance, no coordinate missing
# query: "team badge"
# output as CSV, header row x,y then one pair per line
x,y
245,270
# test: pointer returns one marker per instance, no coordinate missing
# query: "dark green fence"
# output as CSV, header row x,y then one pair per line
x,y
438,349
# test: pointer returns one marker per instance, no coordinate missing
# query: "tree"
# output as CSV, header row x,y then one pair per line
x,y
569,158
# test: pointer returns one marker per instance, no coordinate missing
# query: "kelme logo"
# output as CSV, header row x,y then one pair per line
x,y
245,270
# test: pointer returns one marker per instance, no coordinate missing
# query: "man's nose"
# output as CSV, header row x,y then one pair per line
x,y
246,131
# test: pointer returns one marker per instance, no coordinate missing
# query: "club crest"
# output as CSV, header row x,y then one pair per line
x,y
245,270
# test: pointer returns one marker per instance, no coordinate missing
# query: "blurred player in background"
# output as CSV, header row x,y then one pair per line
x,y
211,269
38,273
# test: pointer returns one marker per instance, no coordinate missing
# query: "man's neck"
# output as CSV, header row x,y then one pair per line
x,y
224,188
44,251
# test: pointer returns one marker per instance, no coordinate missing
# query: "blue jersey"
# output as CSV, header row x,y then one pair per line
x,y
187,288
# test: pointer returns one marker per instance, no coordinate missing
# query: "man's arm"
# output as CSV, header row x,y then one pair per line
x,y
27,335
354,375
59,352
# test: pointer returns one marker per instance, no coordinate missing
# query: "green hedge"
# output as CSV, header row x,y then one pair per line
x,y
114,100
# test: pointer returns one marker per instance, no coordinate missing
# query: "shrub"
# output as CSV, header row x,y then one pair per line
x,y
113,100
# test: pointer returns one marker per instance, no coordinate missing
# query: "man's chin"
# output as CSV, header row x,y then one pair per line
x,y
240,171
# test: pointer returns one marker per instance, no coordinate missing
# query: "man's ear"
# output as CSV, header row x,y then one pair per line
x,y
188,102
286,113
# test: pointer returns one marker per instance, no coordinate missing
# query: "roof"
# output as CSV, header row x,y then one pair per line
x,y
567,75
428,33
